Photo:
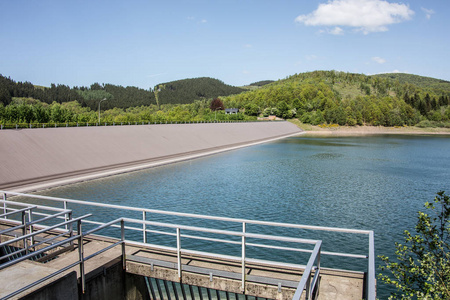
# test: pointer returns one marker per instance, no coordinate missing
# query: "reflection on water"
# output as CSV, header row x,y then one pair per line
x,y
376,182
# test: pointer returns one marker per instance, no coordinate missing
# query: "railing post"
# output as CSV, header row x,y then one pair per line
x,y
371,295
308,288
5,209
30,219
70,228
81,256
122,237
243,256
24,231
144,226
65,215
179,253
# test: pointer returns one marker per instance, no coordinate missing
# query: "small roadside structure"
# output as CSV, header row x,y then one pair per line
x,y
269,118
230,111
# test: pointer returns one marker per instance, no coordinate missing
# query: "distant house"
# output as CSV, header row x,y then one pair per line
x,y
230,111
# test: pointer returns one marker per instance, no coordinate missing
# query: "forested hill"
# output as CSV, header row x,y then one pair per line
x,y
349,99
175,92
420,81
187,90
117,96
319,97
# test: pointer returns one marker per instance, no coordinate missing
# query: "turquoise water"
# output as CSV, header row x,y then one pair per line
x,y
377,183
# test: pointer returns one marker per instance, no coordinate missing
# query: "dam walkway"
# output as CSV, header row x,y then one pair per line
x,y
120,252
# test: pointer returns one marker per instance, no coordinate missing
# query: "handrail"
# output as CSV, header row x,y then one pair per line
x,y
190,215
315,253
305,281
65,241
17,211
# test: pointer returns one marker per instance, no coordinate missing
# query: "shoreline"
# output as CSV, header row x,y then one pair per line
x,y
310,130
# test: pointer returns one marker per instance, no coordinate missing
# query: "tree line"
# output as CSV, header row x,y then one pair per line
x,y
314,97
346,99
30,111
175,92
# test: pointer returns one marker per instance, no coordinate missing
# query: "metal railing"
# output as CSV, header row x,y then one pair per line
x,y
306,284
96,124
25,226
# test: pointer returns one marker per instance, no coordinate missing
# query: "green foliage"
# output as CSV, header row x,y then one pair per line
x,y
315,97
419,81
347,99
422,266
251,109
187,90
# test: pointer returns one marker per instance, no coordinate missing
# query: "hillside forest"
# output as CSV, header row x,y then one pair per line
x,y
319,97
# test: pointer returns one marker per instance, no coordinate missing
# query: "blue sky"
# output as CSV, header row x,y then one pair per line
x,y
143,43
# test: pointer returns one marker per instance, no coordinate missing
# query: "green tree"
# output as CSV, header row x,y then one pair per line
x,y
422,267
251,109
284,110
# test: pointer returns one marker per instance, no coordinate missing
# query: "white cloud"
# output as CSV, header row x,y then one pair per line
x,y
337,31
363,15
378,60
245,72
428,12
203,21
247,46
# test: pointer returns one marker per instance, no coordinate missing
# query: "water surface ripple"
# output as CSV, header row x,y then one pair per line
x,y
374,182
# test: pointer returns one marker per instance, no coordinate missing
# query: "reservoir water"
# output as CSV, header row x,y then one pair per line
x,y
375,182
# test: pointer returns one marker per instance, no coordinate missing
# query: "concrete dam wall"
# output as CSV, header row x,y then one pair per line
x,y
32,159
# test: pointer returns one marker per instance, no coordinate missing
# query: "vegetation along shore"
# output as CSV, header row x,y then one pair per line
x,y
315,98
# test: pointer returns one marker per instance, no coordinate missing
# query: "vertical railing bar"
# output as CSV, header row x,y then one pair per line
x,y
175,292
217,294
144,226
243,256
200,293
30,219
371,268
308,287
179,253
159,289
166,287
191,291
65,216
183,291
5,209
150,286
81,256
24,232
122,237
71,228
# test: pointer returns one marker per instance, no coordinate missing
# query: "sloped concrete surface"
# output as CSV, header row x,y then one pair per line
x,y
30,156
